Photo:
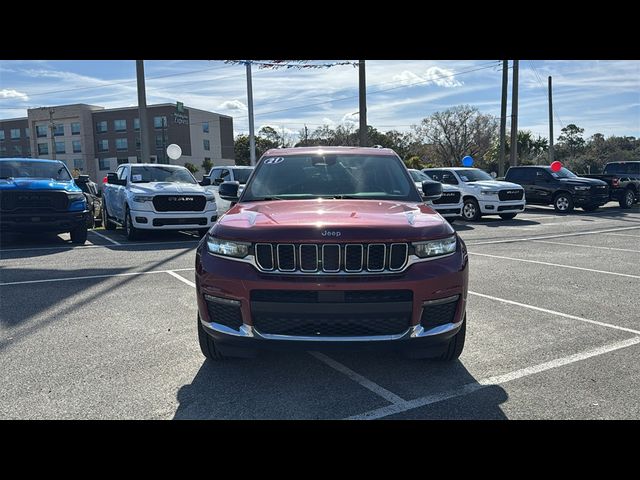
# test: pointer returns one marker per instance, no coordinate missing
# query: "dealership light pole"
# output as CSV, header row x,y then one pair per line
x,y
503,117
363,104
142,112
513,160
252,138
550,124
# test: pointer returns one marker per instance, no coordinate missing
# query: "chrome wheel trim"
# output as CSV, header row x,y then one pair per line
x,y
469,210
562,203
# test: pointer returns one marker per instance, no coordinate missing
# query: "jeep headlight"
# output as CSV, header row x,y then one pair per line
x,y
142,198
580,188
227,248
434,248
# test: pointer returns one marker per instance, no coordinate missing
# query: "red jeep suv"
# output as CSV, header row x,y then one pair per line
x,y
331,247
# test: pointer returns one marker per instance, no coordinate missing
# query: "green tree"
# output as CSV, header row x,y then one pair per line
x,y
414,162
207,165
571,139
191,167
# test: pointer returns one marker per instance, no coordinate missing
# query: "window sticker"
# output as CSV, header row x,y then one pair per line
x,y
273,160
136,178
464,178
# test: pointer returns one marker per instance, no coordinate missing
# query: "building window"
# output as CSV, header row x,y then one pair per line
x,y
1,134
3,150
101,127
43,149
103,145
120,125
159,122
122,160
137,143
136,124
15,133
104,164
58,130
77,147
78,163
27,132
205,127
121,144
17,149
41,131
161,140
75,128
206,145
60,147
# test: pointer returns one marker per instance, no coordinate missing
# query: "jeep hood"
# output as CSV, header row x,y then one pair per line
x,y
322,220
166,188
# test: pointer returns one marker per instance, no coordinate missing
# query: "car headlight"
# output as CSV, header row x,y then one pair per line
x,y
435,248
143,198
488,192
75,197
227,248
210,198
580,188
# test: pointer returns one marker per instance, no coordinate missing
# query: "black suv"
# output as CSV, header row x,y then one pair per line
x,y
562,189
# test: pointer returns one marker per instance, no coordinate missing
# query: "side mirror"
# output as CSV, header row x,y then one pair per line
x,y
431,190
112,178
217,181
206,181
229,191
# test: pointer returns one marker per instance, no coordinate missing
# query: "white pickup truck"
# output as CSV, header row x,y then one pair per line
x,y
481,194
217,175
149,196
449,205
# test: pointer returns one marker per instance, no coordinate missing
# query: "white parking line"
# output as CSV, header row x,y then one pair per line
x,y
591,232
24,282
623,235
490,381
587,246
553,312
106,238
82,247
556,265
181,278
356,377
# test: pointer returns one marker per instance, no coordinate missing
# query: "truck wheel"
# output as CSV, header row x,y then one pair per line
x,y
471,210
508,216
456,344
79,235
563,203
106,223
628,199
130,231
207,344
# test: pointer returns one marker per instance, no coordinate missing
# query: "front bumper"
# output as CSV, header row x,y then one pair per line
x,y
149,220
449,210
588,199
434,280
496,206
54,222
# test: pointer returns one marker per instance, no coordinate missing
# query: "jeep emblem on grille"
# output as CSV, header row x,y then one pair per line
x,y
329,233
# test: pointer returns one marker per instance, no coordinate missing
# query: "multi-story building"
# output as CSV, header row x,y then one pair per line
x,y
95,140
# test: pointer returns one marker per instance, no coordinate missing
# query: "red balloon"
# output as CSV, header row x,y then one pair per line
x,y
556,166
104,180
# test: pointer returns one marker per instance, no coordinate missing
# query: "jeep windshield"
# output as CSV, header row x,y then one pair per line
x,y
366,177
161,173
474,175
34,169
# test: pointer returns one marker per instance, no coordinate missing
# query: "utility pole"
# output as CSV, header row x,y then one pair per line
x,y
142,112
363,104
164,146
252,138
513,160
550,124
283,136
52,127
306,136
503,117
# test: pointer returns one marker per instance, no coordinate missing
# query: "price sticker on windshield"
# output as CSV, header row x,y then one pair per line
x,y
273,160
136,178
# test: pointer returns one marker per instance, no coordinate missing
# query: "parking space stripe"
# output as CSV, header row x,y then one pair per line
x,y
82,247
494,380
105,237
527,239
553,312
628,275
181,278
356,377
88,277
587,246
623,235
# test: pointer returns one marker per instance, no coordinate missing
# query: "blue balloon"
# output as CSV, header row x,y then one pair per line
x,y
467,161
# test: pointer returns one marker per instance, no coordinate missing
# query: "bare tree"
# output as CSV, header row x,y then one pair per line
x,y
457,132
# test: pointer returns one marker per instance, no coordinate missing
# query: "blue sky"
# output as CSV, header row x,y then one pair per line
x,y
599,96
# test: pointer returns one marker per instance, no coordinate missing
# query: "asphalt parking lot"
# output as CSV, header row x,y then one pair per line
x,y
108,331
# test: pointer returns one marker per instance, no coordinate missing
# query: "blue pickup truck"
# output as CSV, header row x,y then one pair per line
x,y
41,196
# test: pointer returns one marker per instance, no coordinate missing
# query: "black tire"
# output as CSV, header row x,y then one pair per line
x,y
456,344
471,210
207,344
92,222
508,216
563,203
202,232
106,223
590,208
79,235
628,199
130,231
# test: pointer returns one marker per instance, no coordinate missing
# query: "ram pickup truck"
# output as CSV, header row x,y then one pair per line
x,y
217,175
481,194
449,205
331,247
623,179
41,196
149,196
562,189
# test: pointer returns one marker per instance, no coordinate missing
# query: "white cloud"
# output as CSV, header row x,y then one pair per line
x,y
233,105
351,117
327,121
442,77
11,93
